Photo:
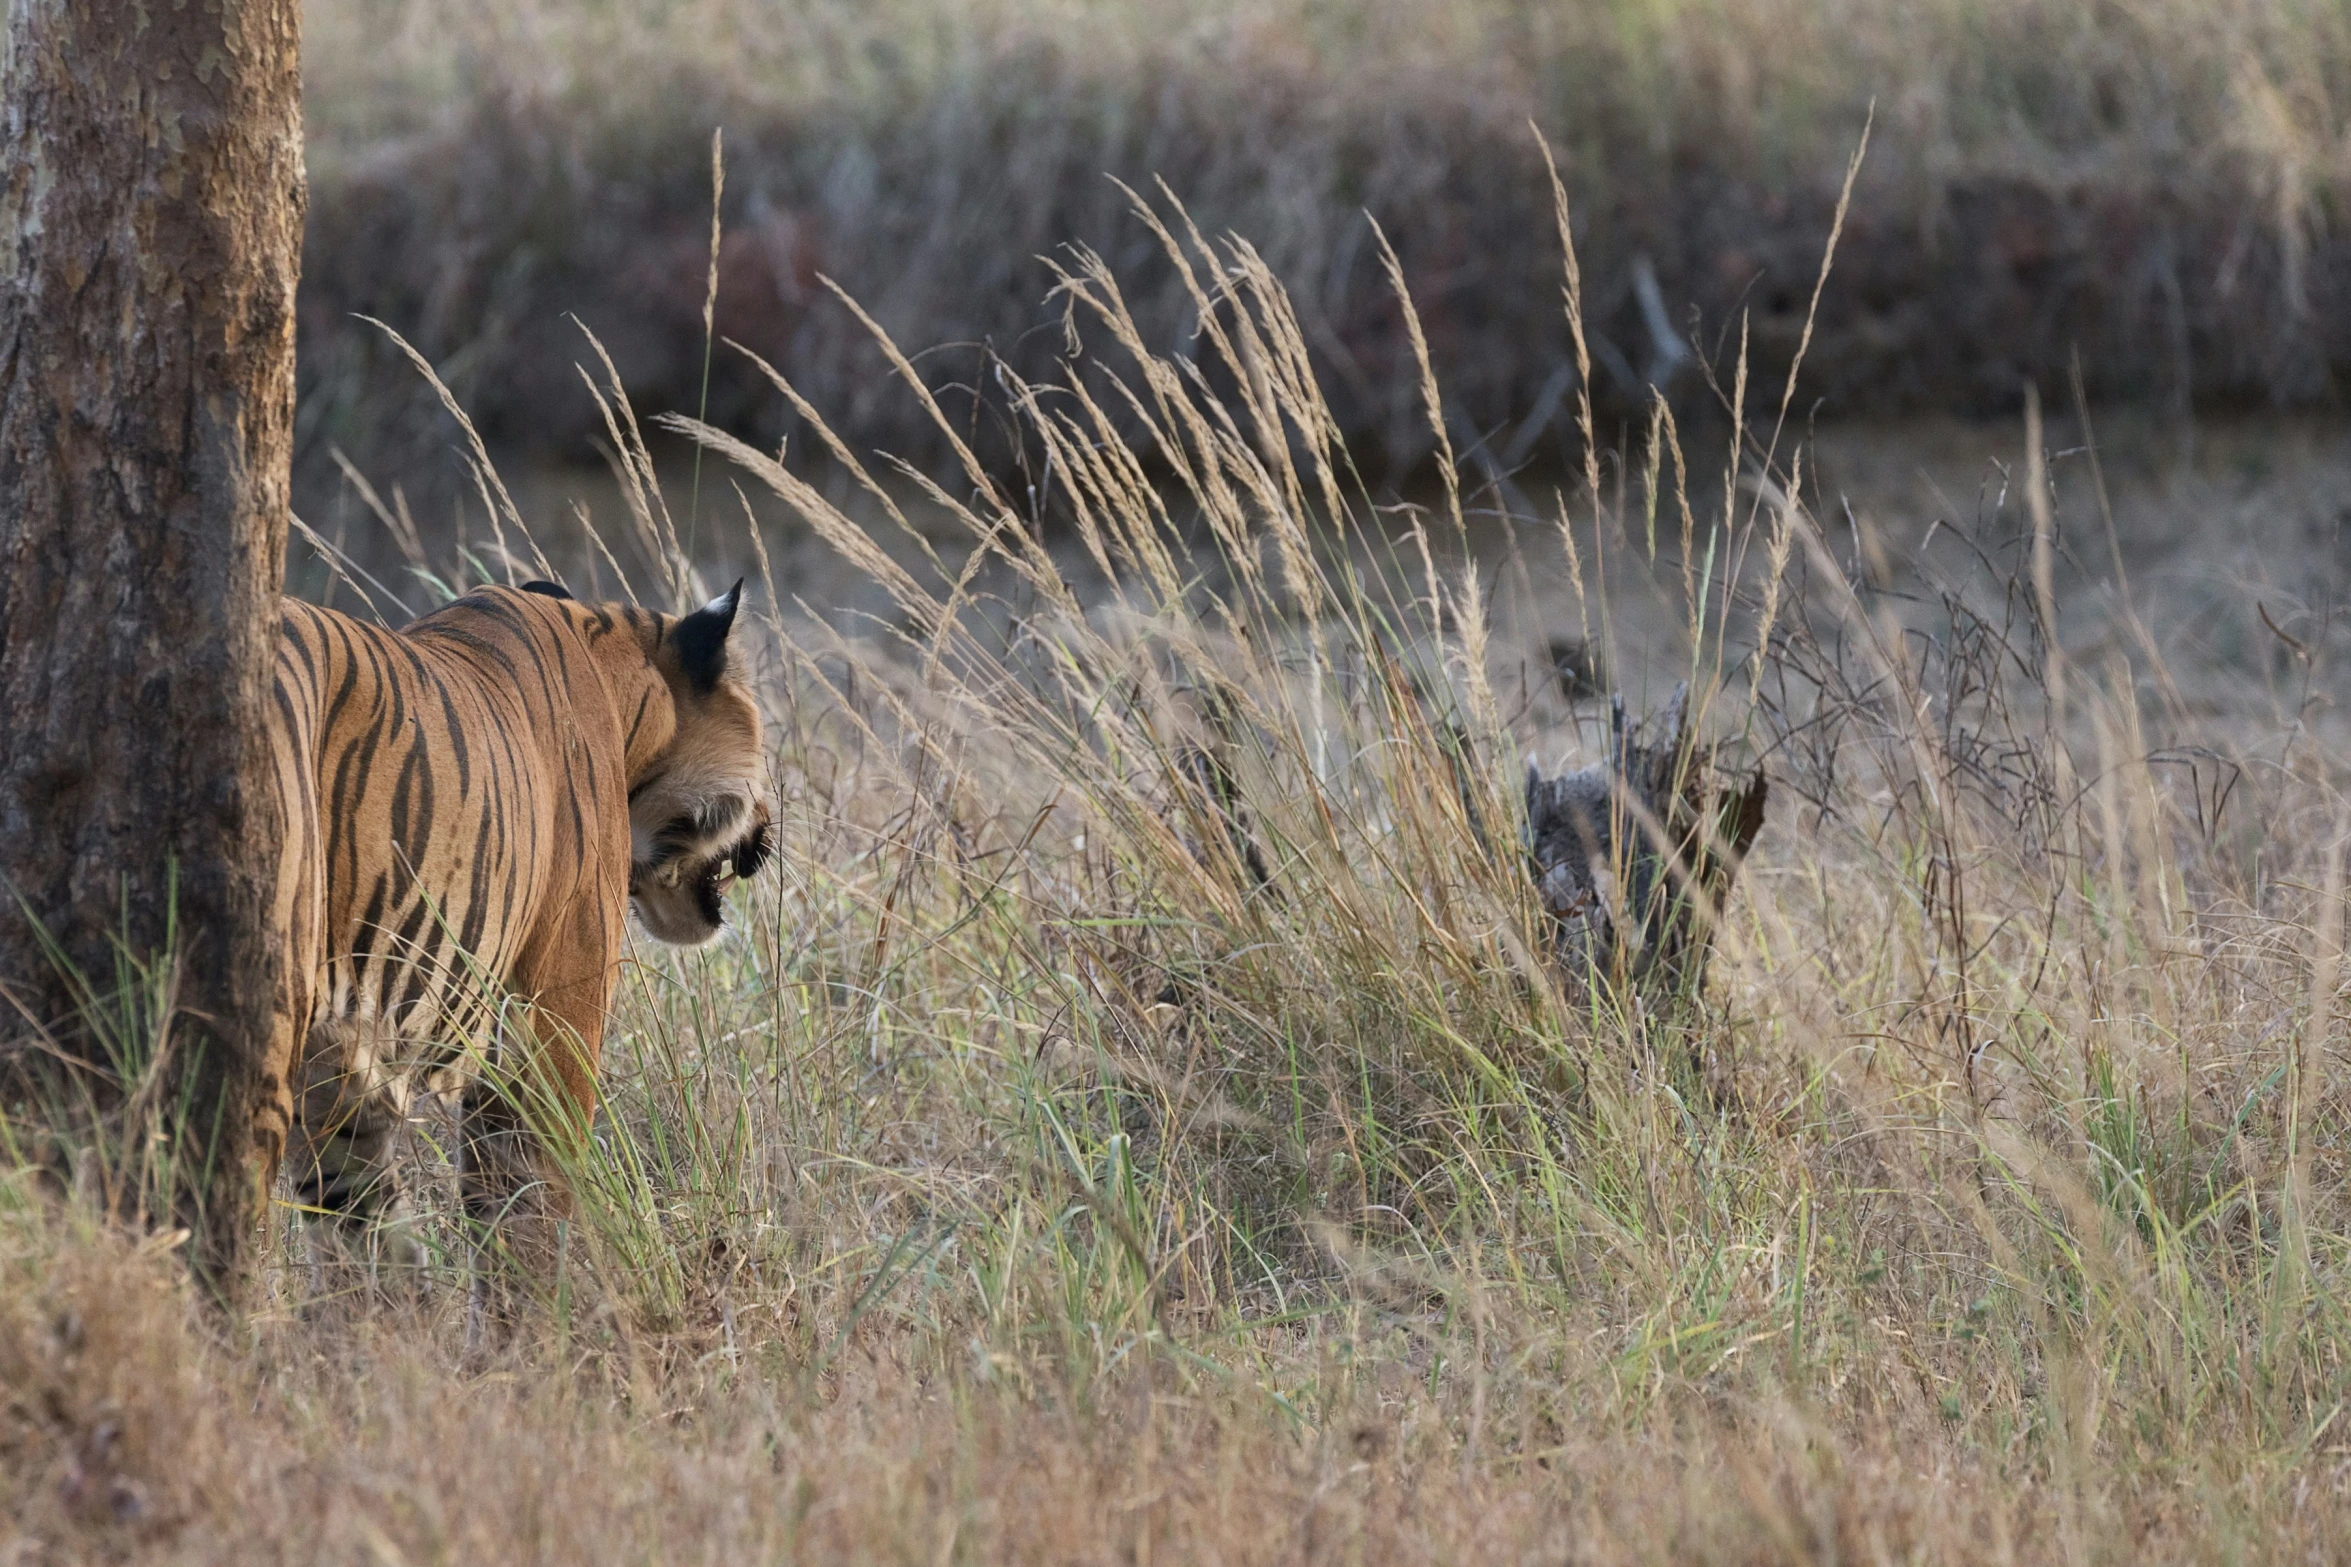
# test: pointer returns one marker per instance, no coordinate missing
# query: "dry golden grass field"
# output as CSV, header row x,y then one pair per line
x,y
1141,1119
2158,185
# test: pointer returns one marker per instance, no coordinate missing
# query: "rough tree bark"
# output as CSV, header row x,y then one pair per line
x,y
151,196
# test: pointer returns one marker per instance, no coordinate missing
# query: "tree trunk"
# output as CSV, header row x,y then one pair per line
x,y
151,198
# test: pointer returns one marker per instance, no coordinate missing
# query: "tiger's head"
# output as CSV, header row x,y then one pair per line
x,y
699,818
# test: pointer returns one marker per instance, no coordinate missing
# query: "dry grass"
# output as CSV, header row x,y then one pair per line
x,y
2158,186
1031,1178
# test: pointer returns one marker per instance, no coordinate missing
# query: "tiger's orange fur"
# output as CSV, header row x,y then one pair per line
x,y
472,802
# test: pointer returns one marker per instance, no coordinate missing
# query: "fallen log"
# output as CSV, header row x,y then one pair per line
x,y
1633,857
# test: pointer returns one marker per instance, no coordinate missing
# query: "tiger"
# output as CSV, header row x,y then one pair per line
x,y
473,804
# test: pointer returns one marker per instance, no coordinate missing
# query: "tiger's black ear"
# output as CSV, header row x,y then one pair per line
x,y
553,590
701,639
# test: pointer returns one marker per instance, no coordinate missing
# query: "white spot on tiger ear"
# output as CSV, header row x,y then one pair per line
x,y
701,638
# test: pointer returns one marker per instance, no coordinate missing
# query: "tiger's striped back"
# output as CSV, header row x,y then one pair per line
x,y
460,852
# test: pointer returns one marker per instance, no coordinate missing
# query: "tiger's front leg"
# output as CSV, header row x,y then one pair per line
x,y
534,1106
516,1197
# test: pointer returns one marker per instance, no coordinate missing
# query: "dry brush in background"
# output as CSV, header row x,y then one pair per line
x,y
1145,1120
2156,186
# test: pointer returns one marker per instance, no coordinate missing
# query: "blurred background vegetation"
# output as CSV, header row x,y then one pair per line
x,y
2156,187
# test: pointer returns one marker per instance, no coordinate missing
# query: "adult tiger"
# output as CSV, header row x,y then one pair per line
x,y
473,803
